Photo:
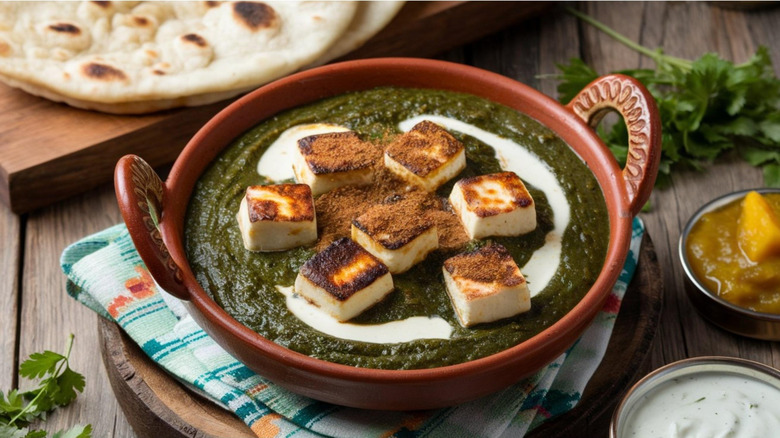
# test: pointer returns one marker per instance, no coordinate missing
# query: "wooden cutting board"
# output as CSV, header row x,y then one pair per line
x,y
155,404
49,151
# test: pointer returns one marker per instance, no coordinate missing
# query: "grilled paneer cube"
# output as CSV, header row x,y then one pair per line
x,y
485,285
497,204
327,161
277,217
396,233
343,280
427,156
276,163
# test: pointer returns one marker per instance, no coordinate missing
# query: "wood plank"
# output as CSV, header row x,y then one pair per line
x,y
48,314
51,151
75,150
427,28
764,31
498,53
559,41
10,263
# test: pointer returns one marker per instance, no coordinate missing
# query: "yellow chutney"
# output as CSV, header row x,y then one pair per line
x,y
734,251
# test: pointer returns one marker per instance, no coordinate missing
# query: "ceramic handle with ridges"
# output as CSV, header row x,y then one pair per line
x,y
636,105
141,194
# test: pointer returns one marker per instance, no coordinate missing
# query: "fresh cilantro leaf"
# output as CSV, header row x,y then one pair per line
x,y
11,404
772,175
574,77
40,364
77,431
67,384
757,156
737,102
7,431
740,126
770,127
39,400
58,386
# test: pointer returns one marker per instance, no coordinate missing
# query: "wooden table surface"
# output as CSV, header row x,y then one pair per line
x,y
37,314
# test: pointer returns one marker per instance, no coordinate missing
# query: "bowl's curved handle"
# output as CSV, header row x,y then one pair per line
x,y
141,194
631,99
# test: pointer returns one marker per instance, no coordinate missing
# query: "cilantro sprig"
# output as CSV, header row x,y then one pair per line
x,y
58,386
708,107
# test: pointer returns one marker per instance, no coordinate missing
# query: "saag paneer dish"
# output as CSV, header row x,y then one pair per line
x,y
415,324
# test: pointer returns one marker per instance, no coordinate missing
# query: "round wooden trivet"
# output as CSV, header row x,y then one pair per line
x,y
156,405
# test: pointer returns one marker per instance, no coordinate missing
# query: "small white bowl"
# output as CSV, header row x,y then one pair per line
x,y
641,394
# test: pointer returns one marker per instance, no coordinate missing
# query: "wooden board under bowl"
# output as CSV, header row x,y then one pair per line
x,y
50,151
155,404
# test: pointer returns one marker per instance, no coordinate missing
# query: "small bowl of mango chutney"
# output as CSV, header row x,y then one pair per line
x,y
730,252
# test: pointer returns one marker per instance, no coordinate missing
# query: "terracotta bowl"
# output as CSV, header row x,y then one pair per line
x,y
154,213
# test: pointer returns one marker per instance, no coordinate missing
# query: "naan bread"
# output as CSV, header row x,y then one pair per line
x,y
136,57
370,18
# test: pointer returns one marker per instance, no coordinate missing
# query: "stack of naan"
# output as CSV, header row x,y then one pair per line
x,y
138,57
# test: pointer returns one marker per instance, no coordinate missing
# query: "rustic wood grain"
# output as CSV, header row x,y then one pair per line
x,y
559,41
764,30
153,401
75,150
425,29
52,151
10,264
48,314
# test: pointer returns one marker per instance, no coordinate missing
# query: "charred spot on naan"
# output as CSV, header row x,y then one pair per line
x,y
102,72
64,38
212,4
195,39
141,21
67,28
161,69
255,15
103,5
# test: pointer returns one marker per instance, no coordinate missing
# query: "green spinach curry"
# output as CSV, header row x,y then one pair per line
x,y
243,282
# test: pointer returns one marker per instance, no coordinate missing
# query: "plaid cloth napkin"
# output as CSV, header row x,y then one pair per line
x,y
106,274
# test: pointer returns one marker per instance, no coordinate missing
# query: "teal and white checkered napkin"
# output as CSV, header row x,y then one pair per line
x,y
106,274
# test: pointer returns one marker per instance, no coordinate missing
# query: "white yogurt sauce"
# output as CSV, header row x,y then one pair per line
x,y
710,405
409,329
544,262
276,165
